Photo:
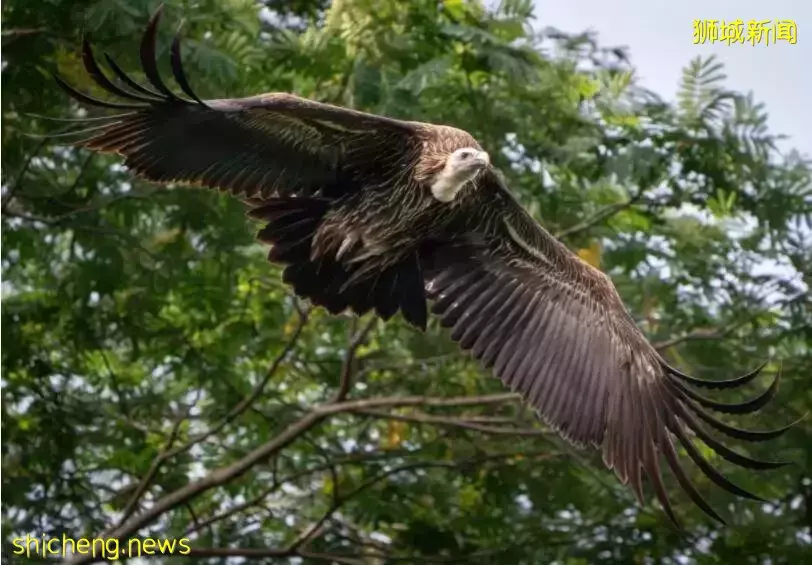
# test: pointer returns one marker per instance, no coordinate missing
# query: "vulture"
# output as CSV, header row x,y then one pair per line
x,y
369,213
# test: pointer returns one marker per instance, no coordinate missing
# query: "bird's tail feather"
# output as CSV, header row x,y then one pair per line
x,y
291,226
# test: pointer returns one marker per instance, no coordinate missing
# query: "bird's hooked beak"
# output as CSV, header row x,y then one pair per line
x,y
482,159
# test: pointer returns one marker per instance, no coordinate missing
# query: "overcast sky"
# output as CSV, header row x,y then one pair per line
x,y
660,40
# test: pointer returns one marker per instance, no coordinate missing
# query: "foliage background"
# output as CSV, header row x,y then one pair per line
x,y
159,380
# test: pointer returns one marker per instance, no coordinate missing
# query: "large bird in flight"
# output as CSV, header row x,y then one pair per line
x,y
373,213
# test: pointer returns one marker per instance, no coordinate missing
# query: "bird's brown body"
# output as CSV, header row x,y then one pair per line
x,y
368,212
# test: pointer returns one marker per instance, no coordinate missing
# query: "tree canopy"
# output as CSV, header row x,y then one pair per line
x,y
160,380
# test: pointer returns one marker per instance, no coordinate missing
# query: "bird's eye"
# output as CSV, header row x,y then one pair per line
x,y
465,155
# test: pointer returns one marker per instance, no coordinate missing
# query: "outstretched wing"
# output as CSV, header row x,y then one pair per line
x,y
554,329
272,144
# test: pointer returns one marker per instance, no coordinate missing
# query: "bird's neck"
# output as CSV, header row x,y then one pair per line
x,y
445,187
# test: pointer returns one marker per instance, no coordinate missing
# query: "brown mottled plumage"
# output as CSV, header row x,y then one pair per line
x,y
370,212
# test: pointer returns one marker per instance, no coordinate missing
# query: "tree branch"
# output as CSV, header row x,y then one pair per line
x,y
157,462
294,548
348,365
353,459
15,184
453,422
393,401
259,553
214,479
431,465
228,473
695,335
246,402
338,502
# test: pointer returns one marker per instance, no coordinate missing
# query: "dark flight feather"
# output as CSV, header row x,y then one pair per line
x,y
273,144
346,202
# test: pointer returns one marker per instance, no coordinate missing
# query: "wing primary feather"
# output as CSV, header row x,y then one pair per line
x,y
148,57
746,407
118,138
651,458
733,431
710,471
177,70
108,118
725,384
724,451
95,72
670,453
651,464
125,78
593,407
79,132
636,448
638,467
85,99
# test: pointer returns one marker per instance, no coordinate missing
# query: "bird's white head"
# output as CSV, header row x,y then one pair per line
x,y
461,166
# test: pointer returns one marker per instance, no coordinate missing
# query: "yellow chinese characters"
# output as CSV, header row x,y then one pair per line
x,y
753,32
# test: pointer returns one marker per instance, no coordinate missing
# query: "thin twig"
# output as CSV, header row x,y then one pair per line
x,y
394,401
411,467
246,402
700,334
276,484
158,461
599,216
15,184
454,422
259,553
348,365
16,33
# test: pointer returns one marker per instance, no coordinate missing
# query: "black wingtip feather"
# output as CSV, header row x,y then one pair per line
x,y
125,78
725,452
651,465
89,100
732,431
148,55
746,407
710,471
686,484
177,70
725,384
82,120
94,70
137,92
